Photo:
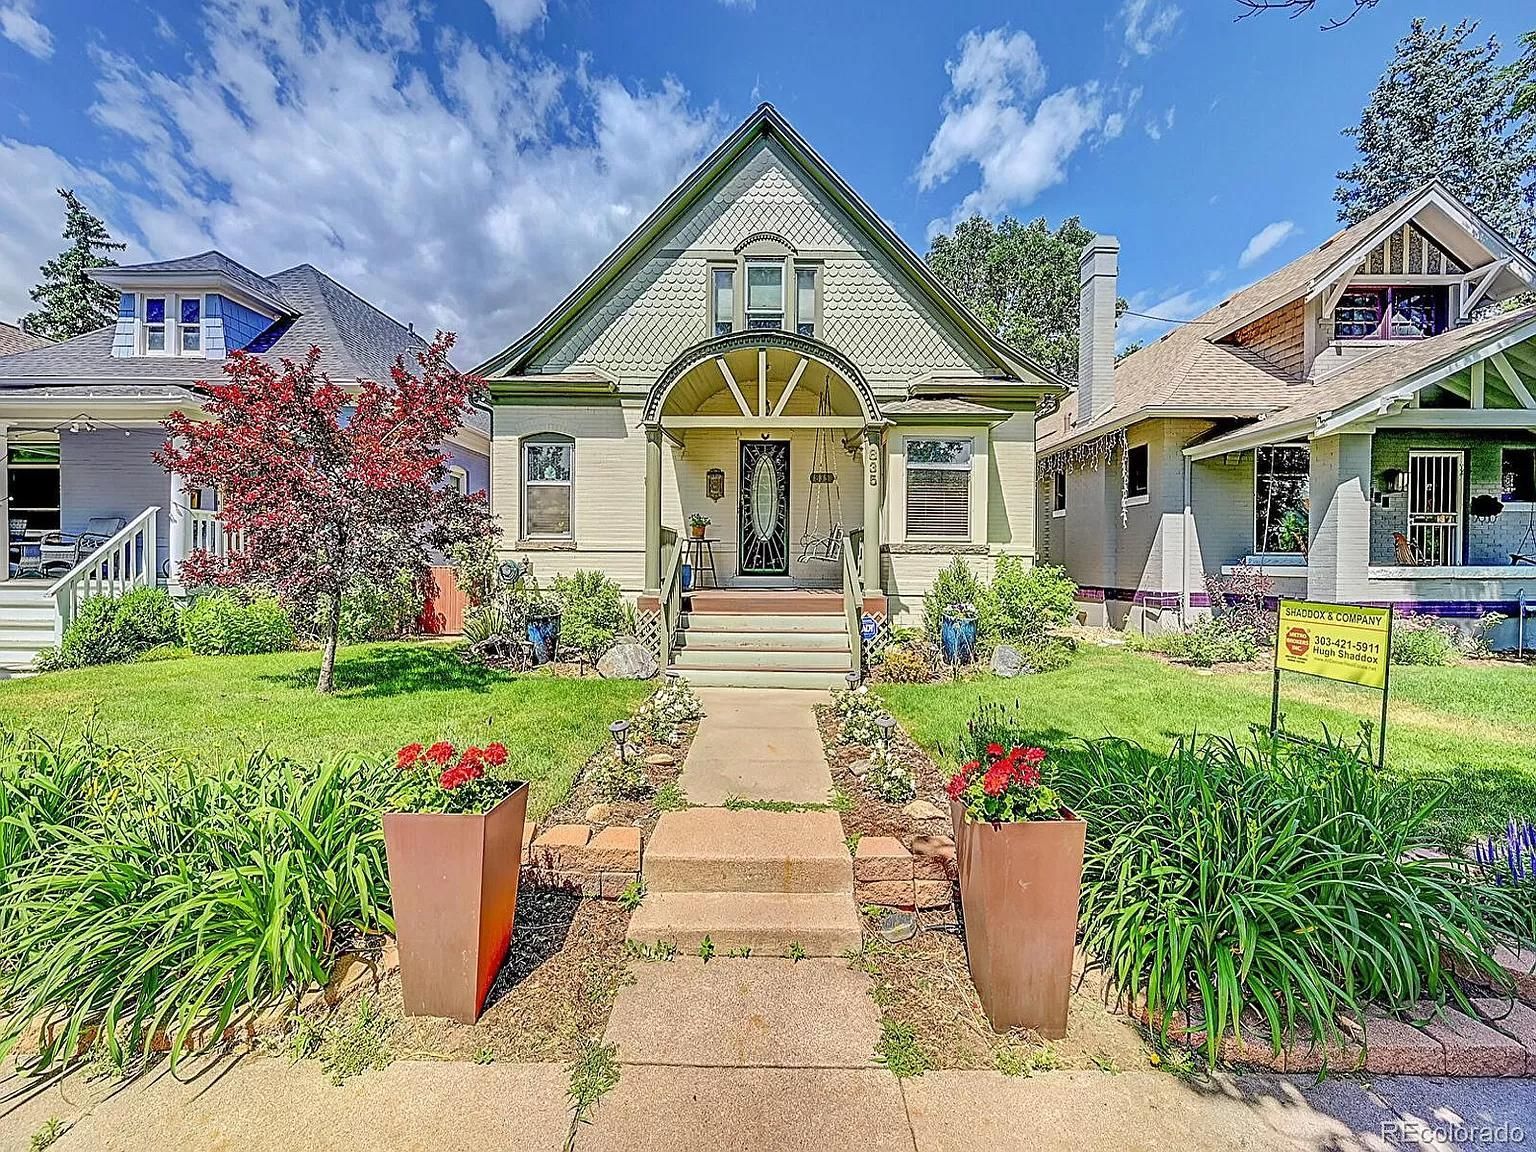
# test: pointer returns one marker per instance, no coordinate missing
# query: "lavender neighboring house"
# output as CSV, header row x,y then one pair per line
x,y
89,509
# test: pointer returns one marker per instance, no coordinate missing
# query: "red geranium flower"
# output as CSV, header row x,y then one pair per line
x,y
407,756
994,750
996,780
440,753
469,766
969,768
451,778
957,784
496,754
1031,755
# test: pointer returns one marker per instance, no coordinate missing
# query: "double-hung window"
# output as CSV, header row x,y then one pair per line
x,y
722,300
765,294
154,324
805,301
1517,475
1136,474
1281,498
190,328
547,472
939,488
1059,493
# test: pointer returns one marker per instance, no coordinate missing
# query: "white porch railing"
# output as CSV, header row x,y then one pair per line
x,y
124,562
671,598
206,533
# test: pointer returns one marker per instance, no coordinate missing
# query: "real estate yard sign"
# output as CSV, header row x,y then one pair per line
x,y
1344,642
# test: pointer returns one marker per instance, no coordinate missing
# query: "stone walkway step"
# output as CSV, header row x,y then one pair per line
x,y
769,923
741,1013
761,678
747,850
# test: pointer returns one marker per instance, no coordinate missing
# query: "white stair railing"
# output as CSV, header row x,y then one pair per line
x,y
122,563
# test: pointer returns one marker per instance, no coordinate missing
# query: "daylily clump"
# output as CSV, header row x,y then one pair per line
x,y
1004,786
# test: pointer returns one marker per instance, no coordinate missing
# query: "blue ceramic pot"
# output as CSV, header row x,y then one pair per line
x,y
957,637
544,635
687,577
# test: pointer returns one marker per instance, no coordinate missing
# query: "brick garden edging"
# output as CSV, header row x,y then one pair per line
x,y
888,874
571,858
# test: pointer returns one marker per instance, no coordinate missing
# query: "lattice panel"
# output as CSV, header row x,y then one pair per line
x,y
648,625
874,648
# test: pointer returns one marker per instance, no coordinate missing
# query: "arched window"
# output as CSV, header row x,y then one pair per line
x,y
549,469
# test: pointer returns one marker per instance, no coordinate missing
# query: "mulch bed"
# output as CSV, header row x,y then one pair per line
x,y
867,814
586,792
553,994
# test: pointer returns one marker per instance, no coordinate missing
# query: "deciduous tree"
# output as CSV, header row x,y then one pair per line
x,y
73,303
330,487
1021,280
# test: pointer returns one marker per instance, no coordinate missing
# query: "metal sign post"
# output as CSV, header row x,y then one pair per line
x,y
1346,643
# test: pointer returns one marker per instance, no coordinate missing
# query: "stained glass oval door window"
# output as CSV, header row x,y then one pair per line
x,y
765,498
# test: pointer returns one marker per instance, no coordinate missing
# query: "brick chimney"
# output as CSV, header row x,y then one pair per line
x,y
1098,269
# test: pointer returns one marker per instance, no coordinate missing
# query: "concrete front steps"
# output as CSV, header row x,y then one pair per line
x,y
748,879
27,616
763,640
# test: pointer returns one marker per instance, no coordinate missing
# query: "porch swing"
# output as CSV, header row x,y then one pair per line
x,y
822,538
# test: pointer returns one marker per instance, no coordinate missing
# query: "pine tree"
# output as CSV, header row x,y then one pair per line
x,y
73,303
1445,109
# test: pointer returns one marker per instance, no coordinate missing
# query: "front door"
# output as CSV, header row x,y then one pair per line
x,y
1434,506
763,515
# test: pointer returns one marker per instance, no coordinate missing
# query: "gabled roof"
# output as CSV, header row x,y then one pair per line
x,y
764,122
14,339
210,263
1188,370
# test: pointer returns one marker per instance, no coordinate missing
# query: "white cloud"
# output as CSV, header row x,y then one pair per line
x,y
515,17
989,121
1265,241
1158,310
1147,23
1114,124
472,202
1155,128
31,217
20,25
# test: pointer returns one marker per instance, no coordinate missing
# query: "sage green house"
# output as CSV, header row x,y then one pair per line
x,y
766,352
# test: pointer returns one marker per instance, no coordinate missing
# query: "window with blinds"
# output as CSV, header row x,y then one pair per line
x,y
939,488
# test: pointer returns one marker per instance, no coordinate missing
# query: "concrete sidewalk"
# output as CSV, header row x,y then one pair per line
x,y
757,744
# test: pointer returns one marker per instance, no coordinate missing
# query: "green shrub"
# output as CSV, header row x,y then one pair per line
x,y
92,636
1027,602
956,584
223,624
1277,879
1419,639
591,612
378,611
1206,642
107,630
1051,654
146,894
907,664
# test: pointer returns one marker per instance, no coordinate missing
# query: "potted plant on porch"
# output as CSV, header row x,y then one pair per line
x,y
454,847
1020,855
696,525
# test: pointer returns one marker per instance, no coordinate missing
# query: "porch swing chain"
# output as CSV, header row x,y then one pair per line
x,y
815,545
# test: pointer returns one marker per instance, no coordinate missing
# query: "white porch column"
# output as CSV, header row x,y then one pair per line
x,y
180,536
873,450
653,511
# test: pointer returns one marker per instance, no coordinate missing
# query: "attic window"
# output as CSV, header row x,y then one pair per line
x,y
765,294
191,327
1391,313
154,323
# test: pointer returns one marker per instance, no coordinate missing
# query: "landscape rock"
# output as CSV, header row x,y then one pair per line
x,y
1008,661
661,759
628,662
599,813
859,767
925,810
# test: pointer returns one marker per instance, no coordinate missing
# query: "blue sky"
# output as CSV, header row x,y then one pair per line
x,y
464,162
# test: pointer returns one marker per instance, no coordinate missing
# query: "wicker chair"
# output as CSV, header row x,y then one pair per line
x,y
61,551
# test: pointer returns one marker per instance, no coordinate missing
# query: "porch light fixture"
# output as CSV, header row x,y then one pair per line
x,y
620,730
714,484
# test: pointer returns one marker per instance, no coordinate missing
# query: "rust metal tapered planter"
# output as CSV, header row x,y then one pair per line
x,y
1019,888
453,879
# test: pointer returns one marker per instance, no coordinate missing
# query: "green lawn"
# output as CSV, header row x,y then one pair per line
x,y
387,695
1473,725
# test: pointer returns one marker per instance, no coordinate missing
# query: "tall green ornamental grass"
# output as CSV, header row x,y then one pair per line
x,y
1272,880
140,895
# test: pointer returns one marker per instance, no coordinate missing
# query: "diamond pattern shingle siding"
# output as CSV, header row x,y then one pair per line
x,y
659,307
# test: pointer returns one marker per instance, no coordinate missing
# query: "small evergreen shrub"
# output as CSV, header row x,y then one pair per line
x,y
957,584
146,618
92,636
108,630
591,612
222,624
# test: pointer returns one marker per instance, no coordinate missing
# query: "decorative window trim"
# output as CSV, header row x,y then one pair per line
x,y
712,302
765,318
1059,493
171,329
1382,332
523,484
458,476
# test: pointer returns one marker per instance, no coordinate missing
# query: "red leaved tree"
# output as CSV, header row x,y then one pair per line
x,y
330,487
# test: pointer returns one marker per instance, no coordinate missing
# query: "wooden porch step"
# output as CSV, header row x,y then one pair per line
x,y
788,601
742,623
